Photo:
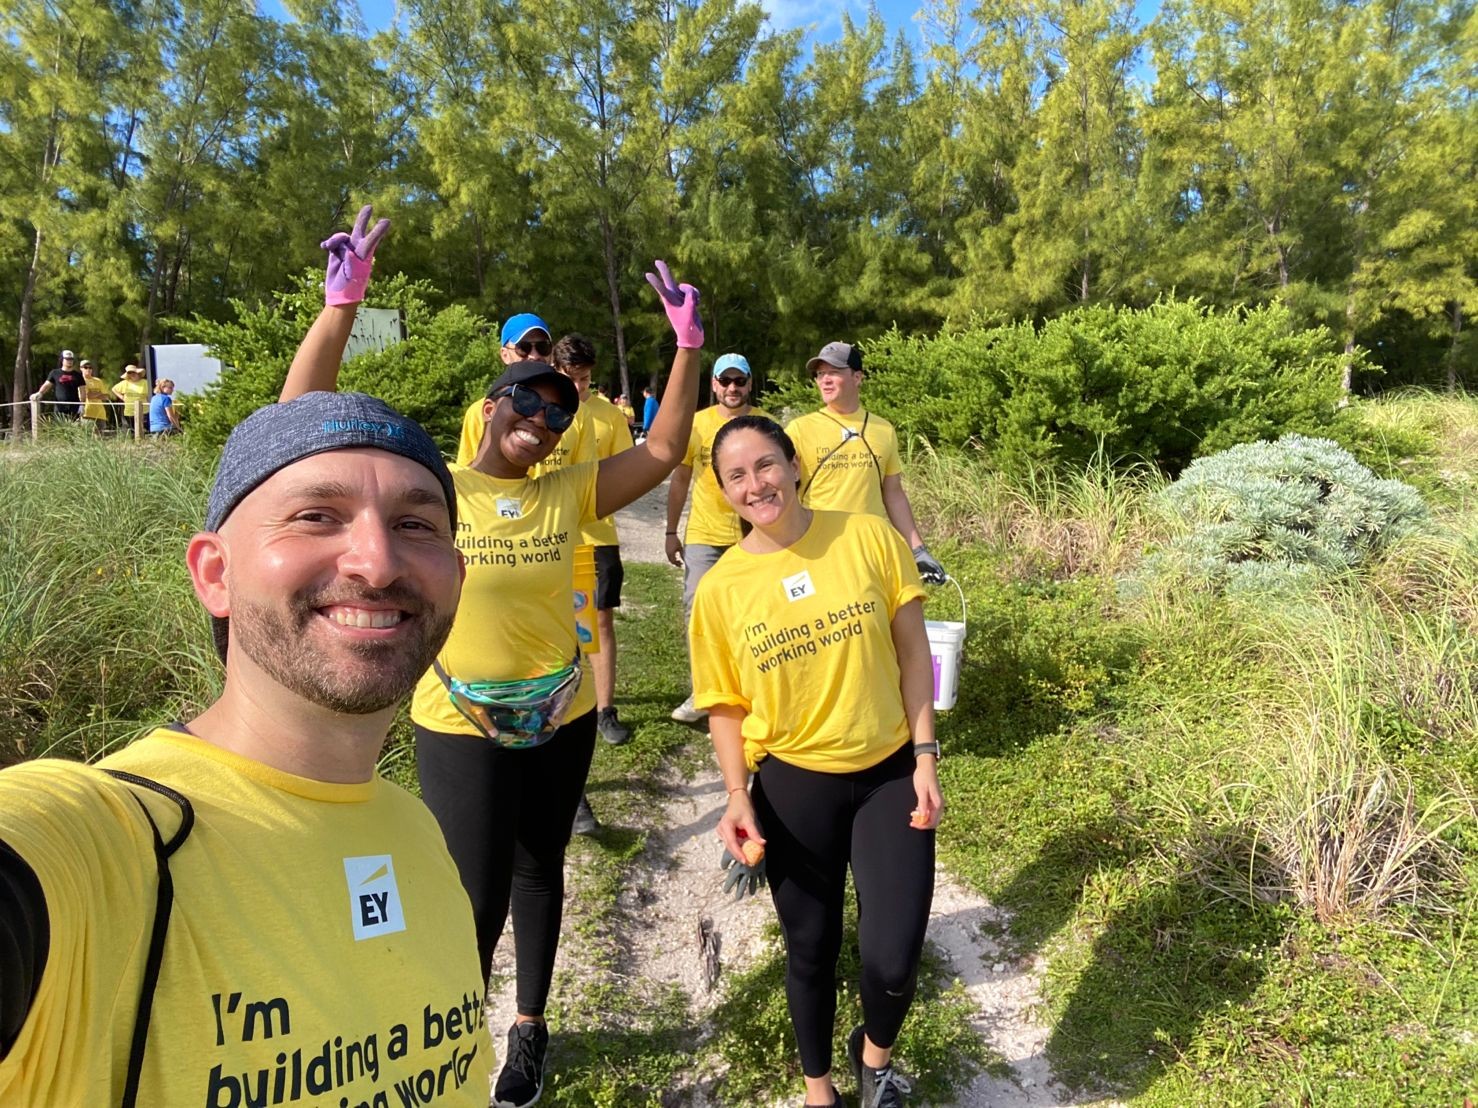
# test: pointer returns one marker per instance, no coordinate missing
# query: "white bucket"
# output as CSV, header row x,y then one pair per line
x,y
947,646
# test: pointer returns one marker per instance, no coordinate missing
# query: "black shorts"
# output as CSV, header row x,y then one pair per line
x,y
609,573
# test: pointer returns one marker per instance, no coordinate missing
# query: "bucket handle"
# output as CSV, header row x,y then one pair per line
x,y
964,615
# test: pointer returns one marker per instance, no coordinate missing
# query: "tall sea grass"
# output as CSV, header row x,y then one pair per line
x,y
1043,520
100,632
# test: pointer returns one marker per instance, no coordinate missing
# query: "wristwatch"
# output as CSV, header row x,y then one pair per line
x,y
926,748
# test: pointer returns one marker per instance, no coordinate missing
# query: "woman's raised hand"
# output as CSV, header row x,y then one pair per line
x,y
681,305
351,257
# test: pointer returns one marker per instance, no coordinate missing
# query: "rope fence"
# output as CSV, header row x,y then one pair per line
x,y
116,416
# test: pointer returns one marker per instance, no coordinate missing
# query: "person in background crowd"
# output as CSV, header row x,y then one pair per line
x,y
525,338
163,418
94,398
849,457
574,356
66,380
713,526
133,390
649,409
598,432
810,653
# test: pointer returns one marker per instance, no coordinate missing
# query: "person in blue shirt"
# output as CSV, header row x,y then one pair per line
x,y
163,419
649,409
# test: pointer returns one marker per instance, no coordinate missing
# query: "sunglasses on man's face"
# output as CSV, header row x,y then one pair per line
x,y
525,347
733,382
528,403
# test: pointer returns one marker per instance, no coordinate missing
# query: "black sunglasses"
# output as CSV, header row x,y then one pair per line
x,y
528,403
526,347
729,382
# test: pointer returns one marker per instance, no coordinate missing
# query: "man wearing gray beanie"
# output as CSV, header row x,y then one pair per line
x,y
238,909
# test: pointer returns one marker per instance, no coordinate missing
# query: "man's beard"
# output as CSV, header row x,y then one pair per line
x,y
275,640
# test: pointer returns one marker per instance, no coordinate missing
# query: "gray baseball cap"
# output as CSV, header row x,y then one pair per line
x,y
276,436
842,355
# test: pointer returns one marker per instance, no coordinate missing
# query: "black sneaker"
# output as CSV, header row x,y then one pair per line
x,y
522,1081
611,728
880,1088
836,1101
585,821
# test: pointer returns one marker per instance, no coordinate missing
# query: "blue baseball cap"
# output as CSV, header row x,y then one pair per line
x,y
731,361
520,325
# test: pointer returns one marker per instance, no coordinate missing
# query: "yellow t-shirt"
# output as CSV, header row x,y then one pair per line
x,y
320,948
611,434
850,477
711,520
95,396
517,613
131,392
802,640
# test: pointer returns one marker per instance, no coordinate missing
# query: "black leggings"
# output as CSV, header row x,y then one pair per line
x,y
506,815
814,824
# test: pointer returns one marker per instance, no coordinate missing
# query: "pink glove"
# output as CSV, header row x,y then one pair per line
x,y
681,303
351,256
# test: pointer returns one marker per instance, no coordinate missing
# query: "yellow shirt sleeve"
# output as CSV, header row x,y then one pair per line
x,y
473,426
802,640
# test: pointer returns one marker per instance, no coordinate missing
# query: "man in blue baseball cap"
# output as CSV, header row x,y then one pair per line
x,y
712,525
525,338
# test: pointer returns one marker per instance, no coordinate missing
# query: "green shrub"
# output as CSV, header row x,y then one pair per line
x,y
1264,513
449,356
1163,384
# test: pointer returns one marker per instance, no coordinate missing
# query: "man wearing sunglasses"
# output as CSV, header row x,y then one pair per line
x,y
525,338
712,525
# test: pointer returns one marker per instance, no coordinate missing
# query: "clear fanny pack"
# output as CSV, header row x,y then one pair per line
x,y
515,714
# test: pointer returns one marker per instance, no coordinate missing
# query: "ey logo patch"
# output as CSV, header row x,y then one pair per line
x,y
374,901
798,586
509,507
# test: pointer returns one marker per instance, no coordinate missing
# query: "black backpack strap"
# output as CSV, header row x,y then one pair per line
x,y
164,902
846,438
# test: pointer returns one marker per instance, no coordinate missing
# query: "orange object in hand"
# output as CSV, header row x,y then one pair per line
x,y
753,852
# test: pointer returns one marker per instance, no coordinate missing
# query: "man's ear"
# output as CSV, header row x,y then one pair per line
x,y
507,354
206,557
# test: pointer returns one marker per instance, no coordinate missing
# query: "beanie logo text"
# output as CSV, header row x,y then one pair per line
x,y
363,426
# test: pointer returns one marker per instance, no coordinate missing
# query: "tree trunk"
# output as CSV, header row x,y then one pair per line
x,y
613,290
478,249
1457,330
20,382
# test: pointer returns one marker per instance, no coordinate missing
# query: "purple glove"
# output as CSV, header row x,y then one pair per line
x,y
681,303
351,256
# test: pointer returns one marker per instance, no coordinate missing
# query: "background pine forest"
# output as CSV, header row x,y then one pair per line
x,y
162,160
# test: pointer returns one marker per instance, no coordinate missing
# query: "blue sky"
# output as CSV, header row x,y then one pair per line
x,y
821,18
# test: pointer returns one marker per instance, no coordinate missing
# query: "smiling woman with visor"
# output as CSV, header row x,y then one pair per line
x,y
505,719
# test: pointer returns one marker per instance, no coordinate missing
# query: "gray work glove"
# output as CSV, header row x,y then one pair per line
x,y
929,568
742,880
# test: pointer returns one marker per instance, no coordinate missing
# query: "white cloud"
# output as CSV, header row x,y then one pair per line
x,y
809,15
